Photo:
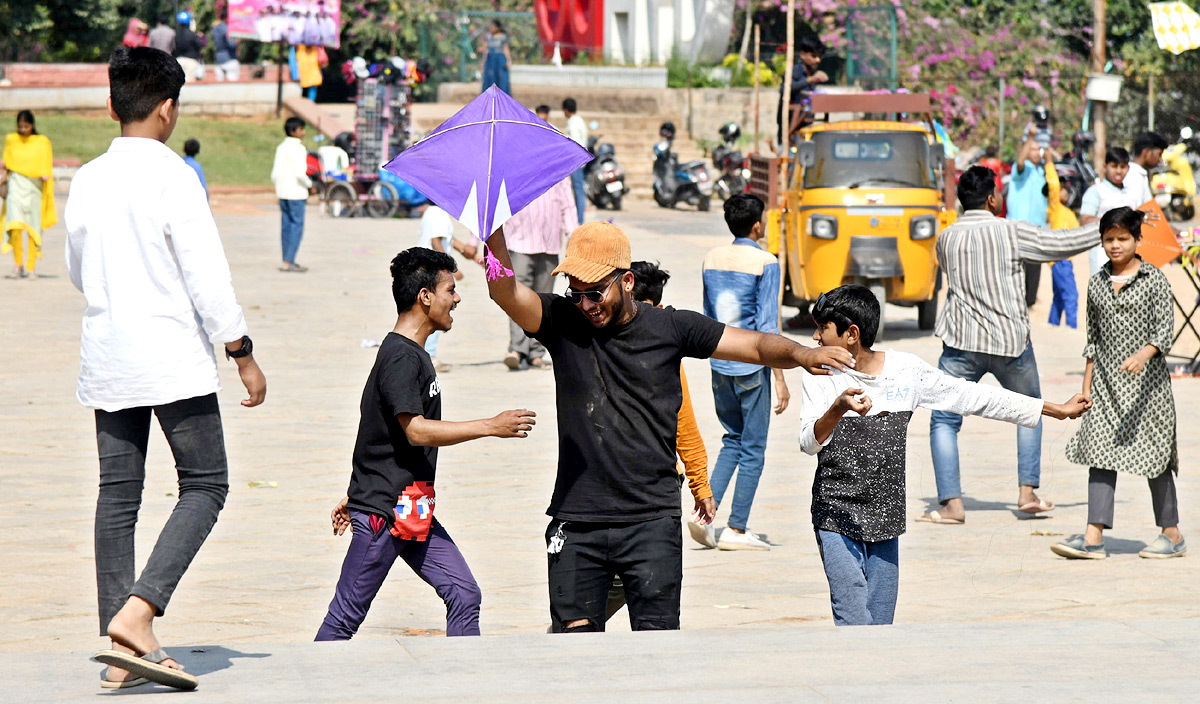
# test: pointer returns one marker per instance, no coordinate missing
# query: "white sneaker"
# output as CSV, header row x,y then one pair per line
x,y
732,540
705,535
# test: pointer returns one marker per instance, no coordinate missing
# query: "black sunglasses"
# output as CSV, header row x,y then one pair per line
x,y
594,295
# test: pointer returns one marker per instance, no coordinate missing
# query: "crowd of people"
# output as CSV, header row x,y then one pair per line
x,y
614,536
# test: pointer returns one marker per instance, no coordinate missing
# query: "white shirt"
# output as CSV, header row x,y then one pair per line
x,y
144,250
290,171
333,159
577,130
906,382
436,224
1137,184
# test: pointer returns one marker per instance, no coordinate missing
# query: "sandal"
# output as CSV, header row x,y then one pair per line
x,y
149,666
106,683
935,517
295,268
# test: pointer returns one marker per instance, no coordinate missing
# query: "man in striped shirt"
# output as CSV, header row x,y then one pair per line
x,y
984,326
535,237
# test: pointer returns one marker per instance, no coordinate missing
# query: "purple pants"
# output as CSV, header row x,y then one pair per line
x,y
370,557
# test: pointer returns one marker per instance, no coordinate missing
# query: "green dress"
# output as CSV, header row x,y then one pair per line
x,y
1131,426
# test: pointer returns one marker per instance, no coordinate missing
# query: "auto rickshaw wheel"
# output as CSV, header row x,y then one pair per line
x,y
927,313
880,293
704,203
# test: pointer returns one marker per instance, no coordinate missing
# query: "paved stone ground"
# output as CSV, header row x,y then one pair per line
x,y
267,572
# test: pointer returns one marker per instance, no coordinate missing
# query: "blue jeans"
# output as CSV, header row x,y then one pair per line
x,y
744,408
1066,295
580,196
1017,374
864,578
292,227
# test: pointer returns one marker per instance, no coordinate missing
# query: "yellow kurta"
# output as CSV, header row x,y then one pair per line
x,y
308,66
23,210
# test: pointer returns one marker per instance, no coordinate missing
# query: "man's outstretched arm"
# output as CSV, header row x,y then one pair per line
x,y
517,300
778,352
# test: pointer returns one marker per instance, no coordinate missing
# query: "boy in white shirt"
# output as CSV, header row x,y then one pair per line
x,y
144,250
437,233
290,176
858,488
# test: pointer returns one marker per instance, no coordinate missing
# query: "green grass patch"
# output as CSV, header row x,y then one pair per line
x,y
233,151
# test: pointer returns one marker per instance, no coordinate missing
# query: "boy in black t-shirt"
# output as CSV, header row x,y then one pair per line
x,y
616,507
391,501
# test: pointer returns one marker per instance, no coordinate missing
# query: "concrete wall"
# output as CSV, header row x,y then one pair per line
x,y
645,31
710,107
205,99
597,76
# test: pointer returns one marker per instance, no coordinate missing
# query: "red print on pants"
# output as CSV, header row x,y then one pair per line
x,y
414,512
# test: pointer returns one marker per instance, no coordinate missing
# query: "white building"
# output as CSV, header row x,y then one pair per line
x,y
645,31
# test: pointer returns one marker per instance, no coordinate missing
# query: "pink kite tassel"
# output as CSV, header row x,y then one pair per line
x,y
495,270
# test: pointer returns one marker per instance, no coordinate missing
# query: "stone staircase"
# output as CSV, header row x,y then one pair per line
x,y
632,135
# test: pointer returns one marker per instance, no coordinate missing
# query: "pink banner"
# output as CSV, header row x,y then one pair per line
x,y
310,22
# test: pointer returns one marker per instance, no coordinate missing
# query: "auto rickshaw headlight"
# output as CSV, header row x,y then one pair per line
x,y
822,227
922,228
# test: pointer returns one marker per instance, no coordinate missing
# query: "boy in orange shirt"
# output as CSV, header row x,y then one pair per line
x,y
1062,274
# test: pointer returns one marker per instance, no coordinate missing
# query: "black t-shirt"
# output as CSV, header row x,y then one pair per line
x,y
618,397
187,44
391,477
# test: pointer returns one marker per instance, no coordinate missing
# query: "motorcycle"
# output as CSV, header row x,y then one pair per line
x,y
603,177
1174,183
1075,170
732,167
673,183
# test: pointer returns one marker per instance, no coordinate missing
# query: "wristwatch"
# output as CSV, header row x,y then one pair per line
x,y
247,349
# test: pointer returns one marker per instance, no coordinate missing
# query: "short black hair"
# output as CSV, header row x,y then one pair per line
x,y
1146,141
27,116
852,304
810,43
1116,155
414,269
648,281
542,108
291,125
1124,217
191,147
570,106
741,212
140,79
974,187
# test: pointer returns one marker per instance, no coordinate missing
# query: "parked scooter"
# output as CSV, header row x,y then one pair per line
x,y
733,172
1075,169
673,183
1174,183
603,177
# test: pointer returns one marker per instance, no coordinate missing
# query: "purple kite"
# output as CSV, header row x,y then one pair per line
x,y
488,161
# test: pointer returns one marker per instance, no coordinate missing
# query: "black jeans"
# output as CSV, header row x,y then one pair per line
x,y
647,556
193,430
1102,487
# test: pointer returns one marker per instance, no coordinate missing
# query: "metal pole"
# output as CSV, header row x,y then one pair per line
x,y
786,107
279,79
892,75
1099,40
1150,117
757,48
1003,115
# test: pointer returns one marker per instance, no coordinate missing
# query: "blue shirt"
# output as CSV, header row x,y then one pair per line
x,y
741,290
1025,199
191,161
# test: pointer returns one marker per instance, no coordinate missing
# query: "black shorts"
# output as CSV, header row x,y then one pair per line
x,y
647,556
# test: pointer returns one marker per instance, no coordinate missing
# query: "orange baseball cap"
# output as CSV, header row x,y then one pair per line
x,y
595,250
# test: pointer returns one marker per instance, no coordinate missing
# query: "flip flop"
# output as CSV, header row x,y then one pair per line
x,y
149,666
106,683
935,517
1039,506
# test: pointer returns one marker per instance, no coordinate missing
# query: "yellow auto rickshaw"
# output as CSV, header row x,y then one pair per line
x,y
863,202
